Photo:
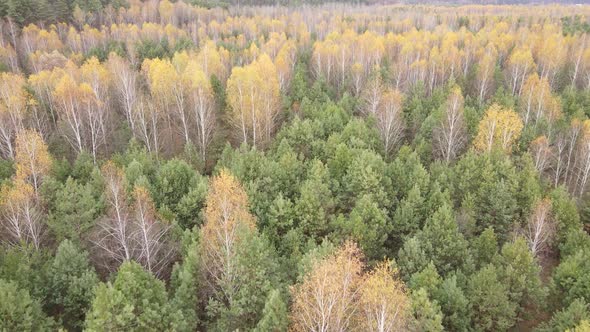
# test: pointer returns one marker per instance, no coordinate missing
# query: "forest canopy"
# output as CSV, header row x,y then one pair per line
x,y
192,166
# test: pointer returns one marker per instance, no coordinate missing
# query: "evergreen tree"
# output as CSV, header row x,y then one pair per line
x,y
519,271
412,258
485,247
448,248
567,318
490,305
71,285
76,209
408,217
136,301
454,305
315,203
20,312
275,316
427,315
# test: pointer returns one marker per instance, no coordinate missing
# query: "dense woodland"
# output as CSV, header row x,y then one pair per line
x,y
169,167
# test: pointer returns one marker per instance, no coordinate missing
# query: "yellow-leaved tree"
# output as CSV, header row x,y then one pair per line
x,y
13,101
335,295
32,158
499,128
227,221
254,96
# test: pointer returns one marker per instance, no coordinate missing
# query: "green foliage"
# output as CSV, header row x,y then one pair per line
x,y
20,312
567,318
426,313
490,305
136,301
181,189
519,271
75,211
257,274
275,316
571,278
149,49
454,305
28,268
71,285
442,241
185,282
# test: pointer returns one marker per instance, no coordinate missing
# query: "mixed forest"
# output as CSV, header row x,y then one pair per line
x,y
172,166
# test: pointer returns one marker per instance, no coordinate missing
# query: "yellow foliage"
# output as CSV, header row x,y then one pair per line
x,y
499,128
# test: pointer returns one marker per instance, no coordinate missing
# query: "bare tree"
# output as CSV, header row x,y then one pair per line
x,y
125,84
147,120
150,235
21,217
389,119
540,228
541,153
132,232
373,94
113,235
450,136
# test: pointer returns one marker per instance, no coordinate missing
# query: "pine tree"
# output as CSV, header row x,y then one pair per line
x,y
136,301
20,312
490,305
71,284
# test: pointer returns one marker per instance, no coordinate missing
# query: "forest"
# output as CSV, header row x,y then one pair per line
x,y
182,166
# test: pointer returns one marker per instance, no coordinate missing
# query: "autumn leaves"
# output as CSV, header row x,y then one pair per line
x,y
338,292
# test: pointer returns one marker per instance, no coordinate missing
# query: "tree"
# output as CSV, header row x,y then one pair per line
x,y
367,224
71,285
520,63
20,312
540,229
485,70
98,78
136,301
454,305
275,316
147,118
325,298
154,251
76,209
499,128
113,235
22,218
389,119
72,101
226,219
446,246
315,202
490,306
33,161
538,103
383,303
567,318
185,285
427,315
254,97
168,90
201,101
125,84
407,219
450,136
13,101
570,280
520,273
541,152
237,265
